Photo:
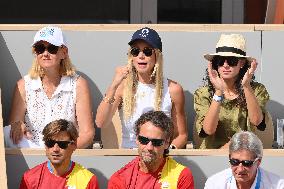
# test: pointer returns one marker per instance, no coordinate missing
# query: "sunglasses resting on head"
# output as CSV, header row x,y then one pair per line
x,y
62,144
155,142
40,48
147,51
220,60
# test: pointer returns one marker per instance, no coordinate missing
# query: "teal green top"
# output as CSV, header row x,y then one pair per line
x,y
232,118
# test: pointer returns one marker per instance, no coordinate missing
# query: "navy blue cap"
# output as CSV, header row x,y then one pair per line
x,y
148,35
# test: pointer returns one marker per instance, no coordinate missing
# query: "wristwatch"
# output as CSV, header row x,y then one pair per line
x,y
218,98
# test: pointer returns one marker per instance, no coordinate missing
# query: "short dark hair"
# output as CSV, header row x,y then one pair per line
x,y
159,119
54,127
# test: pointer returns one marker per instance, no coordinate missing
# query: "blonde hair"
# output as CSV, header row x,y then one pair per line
x,y
66,68
131,83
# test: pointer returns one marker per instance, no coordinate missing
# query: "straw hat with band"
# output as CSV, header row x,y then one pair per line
x,y
230,45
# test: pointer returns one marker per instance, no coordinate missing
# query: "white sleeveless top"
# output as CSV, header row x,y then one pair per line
x,y
41,110
145,100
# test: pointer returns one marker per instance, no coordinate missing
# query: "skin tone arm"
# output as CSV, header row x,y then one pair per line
x,y
178,115
84,114
18,109
254,111
212,117
106,110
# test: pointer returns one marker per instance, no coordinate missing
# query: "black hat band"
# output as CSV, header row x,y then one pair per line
x,y
230,49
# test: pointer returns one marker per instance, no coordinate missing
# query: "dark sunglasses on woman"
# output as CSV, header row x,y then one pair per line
x,y
62,144
147,51
155,142
245,163
220,60
40,48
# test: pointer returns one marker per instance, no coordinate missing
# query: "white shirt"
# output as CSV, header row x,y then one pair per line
x,y
145,100
41,110
226,180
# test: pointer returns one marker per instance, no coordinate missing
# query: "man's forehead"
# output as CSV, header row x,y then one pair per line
x,y
61,135
150,128
242,153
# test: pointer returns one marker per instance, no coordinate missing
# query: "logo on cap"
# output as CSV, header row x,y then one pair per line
x,y
47,32
144,32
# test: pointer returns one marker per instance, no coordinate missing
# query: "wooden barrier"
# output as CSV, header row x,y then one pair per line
x,y
3,176
133,152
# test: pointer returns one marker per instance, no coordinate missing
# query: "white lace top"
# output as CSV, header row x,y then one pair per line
x,y
145,99
41,110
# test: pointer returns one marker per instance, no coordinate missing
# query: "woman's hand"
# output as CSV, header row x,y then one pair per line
x,y
248,75
120,74
18,130
214,78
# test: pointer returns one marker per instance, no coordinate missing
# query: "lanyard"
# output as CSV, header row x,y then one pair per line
x,y
257,185
50,168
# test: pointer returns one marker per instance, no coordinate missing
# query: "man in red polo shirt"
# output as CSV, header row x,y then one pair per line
x,y
152,169
60,138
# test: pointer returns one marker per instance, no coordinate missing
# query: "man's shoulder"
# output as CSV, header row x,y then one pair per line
x,y
128,167
173,163
36,170
81,171
272,177
173,167
221,176
124,175
226,172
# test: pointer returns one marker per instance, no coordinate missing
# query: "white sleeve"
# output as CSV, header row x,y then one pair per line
x,y
210,184
280,184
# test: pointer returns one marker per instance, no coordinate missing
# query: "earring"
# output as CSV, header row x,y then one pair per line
x,y
154,71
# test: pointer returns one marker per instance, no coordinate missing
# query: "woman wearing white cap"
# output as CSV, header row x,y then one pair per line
x,y
231,100
52,90
140,87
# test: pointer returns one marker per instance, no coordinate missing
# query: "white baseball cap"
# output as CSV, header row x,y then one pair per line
x,y
52,35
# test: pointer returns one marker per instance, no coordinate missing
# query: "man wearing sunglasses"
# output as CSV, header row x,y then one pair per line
x,y
59,172
152,168
245,155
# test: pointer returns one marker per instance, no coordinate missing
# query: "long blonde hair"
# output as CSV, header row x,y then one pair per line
x,y
66,68
131,83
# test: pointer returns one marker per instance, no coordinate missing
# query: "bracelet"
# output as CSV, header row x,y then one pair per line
x,y
172,146
109,100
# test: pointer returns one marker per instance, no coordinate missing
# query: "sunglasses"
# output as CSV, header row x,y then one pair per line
x,y
147,51
220,60
155,142
61,144
40,48
245,163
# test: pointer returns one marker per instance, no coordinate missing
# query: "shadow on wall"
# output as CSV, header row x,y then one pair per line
x,y
9,75
190,113
97,97
14,176
195,169
102,180
277,111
